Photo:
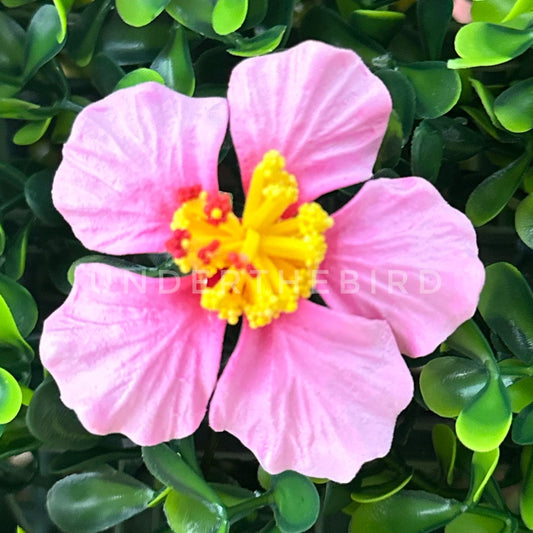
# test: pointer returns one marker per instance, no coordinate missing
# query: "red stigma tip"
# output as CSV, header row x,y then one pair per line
x,y
174,244
291,211
191,192
220,202
205,253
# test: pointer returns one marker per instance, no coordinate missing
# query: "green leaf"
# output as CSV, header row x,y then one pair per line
x,y
434,16
229,15
54,424
521,393
2,240
523,426
42,39
140,12
21,304
459,141
196,15
426,152
437,88
482,425
261,44
10,397
506,304
449,384
472,523
380,26
390,150
140,75
491,10
526,495
16,438
468,340
490,197
171,469
38,192
524,220
403,98
487,99
15,108
416,511
63,7
376,492
15,256
12,39
445,446
85,31
482,44
74,461
174,63
483,466
31,132
106,73
94,501
16,3
514,107
296,502
185,514
325,25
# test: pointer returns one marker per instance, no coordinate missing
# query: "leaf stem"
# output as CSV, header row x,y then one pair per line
x,y
236,512
160,497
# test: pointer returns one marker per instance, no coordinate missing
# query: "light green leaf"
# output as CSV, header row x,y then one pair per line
x,y
514,107
197,15
483,466
140,75
140,12
229,15
10,397
445,446
63,7
31,132
260,44
524,220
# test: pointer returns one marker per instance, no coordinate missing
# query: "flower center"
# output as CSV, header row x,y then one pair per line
x,y
257,266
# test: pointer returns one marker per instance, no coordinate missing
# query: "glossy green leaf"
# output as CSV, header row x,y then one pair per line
x,y
449,384
53,423
434,17
483,466
524,220
63,7
484,44
185,514
437,88
483,424
526,494
197,15
403,98
174,63
426,152
15,255
140,75
523,426
296,502
416,511
370,493
85,31
12,40
94,501
487,99
380,26
260,44
229,15
42,39
490,197
514,107
15,108
31,132
10,397
475,523
21,304
468,340
506,304
445,446
171,469
491,10
2,240
140,12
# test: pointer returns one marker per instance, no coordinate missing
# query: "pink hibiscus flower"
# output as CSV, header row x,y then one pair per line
x,y
461,11
309,388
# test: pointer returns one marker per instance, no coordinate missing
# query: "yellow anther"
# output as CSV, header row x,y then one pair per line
x,y
265,262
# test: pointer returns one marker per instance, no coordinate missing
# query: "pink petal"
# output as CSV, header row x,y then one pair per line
x,y
399,252
319,106
461,11
132,354
125,159
316,391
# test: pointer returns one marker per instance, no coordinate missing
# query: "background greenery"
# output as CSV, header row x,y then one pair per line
x,y
463,114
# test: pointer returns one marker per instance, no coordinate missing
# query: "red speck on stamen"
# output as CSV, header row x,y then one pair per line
x,y
221,201
174,244
206,253
291,211
185,194
241,262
